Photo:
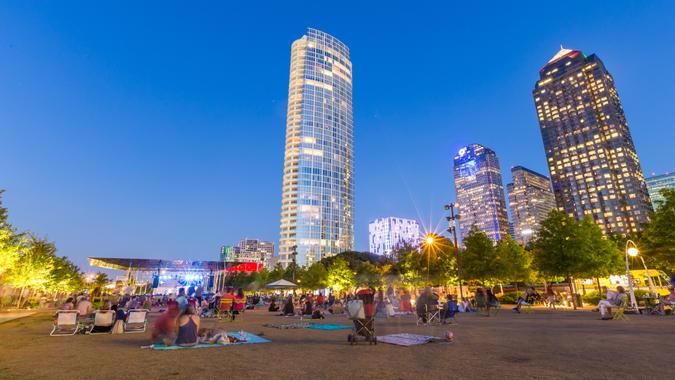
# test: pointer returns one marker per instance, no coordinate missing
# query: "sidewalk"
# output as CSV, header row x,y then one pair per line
x,y
6,316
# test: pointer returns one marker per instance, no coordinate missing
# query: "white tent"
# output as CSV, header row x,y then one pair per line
x,y
281,284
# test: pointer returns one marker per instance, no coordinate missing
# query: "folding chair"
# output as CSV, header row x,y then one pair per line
x,y
431,314
103,322
66,323
225,308
618,310
137,321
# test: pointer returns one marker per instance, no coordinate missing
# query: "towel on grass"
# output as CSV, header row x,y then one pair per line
x,y
329,326
250,339
284,326
405,339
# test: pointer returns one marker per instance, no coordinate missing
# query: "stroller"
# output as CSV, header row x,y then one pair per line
x,y
362,312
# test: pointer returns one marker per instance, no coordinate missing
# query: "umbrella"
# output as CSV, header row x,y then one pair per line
x,y
281,284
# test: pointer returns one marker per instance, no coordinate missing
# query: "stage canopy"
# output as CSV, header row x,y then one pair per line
x,y
147,265
281,284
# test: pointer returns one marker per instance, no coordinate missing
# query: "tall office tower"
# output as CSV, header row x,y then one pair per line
x,y
386,233
253,251
530,201
317,197
591,157
658,182
480,193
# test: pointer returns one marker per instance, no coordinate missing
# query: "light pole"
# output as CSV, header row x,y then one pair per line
x,y
631,251
295,254
429,243
452,228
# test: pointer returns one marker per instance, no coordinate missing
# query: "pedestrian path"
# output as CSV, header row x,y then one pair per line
x,y
7,316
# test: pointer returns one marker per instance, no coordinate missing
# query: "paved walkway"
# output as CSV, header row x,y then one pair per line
x,y
7,316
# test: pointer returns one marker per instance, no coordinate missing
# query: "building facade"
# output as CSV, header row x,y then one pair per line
x,y
658,182
591,158
385,234
251,251
480,193
530,201
318,186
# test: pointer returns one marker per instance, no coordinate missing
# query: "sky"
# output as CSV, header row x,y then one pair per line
x,y
156,129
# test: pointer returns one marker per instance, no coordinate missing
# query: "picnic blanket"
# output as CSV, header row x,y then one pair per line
x,y
250,339
329,326
405,339
284,326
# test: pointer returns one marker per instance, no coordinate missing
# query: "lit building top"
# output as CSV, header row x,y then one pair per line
x,y
658,182
385,234
530,202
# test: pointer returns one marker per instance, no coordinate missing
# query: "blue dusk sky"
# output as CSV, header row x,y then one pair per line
x,y
156,129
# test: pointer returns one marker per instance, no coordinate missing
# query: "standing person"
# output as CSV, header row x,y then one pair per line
x,y
120,316
491,300
239,302
331,299
406,305
198,293
181,299
320,300
188,326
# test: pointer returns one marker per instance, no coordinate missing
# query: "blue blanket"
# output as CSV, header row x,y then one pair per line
x,y
329,326
250,339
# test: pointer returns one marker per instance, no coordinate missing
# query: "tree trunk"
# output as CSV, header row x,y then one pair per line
x,y
574,297
18,302
597,283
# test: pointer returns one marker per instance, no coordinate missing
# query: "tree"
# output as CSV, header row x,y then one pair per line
x,y
315,277
658,237
567,248
340,277
11,242
65,277
277,273
34,267
515,261
479,258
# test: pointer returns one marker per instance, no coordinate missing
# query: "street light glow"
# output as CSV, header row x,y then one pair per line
x,y
632,251
430,240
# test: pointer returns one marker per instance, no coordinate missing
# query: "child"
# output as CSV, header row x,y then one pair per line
x,y
213,336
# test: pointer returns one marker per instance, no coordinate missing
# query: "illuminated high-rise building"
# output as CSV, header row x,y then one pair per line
x,y
530,201
253,251
658,182
385,234
318,188
480,193
593,164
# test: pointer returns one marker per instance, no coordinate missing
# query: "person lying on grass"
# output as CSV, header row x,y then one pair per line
x,y
213,336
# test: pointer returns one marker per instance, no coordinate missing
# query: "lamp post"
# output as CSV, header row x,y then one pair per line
x,y
429,241
632,252
452,228
295,264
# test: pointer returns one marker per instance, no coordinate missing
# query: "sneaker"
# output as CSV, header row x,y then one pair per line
x,y
606,318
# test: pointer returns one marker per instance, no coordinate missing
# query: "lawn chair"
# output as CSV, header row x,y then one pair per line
x,y
66,323
618,310
225,308
137,321
431,314
103,322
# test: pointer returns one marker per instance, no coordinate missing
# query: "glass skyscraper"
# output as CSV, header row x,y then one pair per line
x,y
317,196
658,182
593,164
530,201
480,193
385,234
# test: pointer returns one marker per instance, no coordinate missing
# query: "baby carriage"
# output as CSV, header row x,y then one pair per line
x,y
362,312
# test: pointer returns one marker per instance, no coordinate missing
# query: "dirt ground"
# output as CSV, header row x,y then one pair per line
x,y
541,344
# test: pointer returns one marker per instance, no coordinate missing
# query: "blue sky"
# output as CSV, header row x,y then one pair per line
x,y
157,129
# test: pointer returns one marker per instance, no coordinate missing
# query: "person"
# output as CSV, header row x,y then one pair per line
x,y
480,299
528,298
331,299
239,303
317,314
213,336
288,306
191,291
188,325
425,303
307,310
68,305
320,300
550,297
465,306
491,301
106,305
164,329
273,306
406,306
450,309
120,316
613,300
84,307
181,299
336,308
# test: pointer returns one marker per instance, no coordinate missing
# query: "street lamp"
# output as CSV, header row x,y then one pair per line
x,y
429,243
631,251
452,228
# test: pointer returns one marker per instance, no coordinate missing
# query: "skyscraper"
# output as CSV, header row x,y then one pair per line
x,y
254,251
658,182
480,193
386,233
317,195
593,164
530,201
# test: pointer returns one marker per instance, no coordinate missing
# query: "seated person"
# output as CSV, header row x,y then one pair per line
x,y
528,298
288,308
465,306
337,308
273,306
426,302
450,309
613,300
308,308
164,328
317,314
188,325
84,307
